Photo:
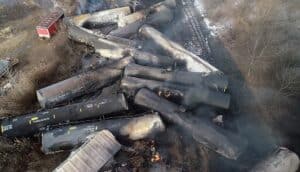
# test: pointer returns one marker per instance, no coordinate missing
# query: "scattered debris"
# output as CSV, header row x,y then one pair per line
x,y
7,64
166,79
167,82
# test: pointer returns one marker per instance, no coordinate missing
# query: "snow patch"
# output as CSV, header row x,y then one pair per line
x,y
200,7
214,29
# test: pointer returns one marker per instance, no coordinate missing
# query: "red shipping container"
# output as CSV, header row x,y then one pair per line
x,y
49,24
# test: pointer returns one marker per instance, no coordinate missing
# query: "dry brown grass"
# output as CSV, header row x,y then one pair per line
x,y
25,82
42,62
262,38
45,62
259,34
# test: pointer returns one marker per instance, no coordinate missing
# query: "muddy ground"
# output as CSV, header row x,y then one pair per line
x,y
264,85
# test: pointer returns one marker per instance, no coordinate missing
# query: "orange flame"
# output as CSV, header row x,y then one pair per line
x,y
156,157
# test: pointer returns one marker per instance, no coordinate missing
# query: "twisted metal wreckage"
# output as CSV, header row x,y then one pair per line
x,y
152,79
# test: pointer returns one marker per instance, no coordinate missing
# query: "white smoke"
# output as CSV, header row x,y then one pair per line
x,y
9,2
88,6
214,28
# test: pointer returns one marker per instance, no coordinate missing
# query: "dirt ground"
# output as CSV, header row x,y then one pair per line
x,y
265,59
41,62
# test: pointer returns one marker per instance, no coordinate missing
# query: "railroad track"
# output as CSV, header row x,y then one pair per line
x,y
197,42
